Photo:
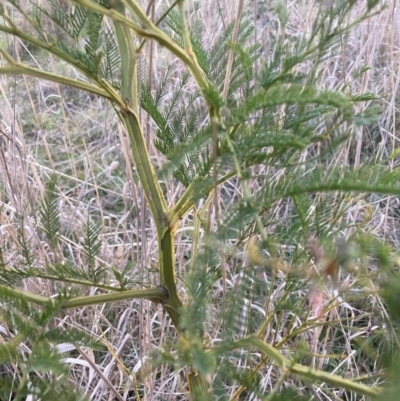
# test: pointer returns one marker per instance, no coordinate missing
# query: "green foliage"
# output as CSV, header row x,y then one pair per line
x,y
91,248
181,133
33,326
272,135
49,214
83,41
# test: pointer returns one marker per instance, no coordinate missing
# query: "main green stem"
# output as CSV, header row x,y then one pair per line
x,y
165,223
145,170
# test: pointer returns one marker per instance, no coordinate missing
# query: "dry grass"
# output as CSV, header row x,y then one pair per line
x,y
48,128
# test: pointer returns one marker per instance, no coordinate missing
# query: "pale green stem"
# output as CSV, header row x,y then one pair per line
x,y
21,69
14,31
305,371
148,29
140,47
10,345
187,200
77,281
148,179
129,61
158,294
25,296
145,170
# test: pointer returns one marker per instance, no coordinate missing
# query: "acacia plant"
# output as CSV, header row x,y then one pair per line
x,y
240,114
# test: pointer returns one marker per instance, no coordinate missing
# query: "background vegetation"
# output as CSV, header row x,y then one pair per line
x,y
295,249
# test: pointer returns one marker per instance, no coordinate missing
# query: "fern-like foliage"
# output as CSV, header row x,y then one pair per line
x,y
183,131
269,152
91,248
177,122
49,214
213,61
284,115
81,38
27,375
280,130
